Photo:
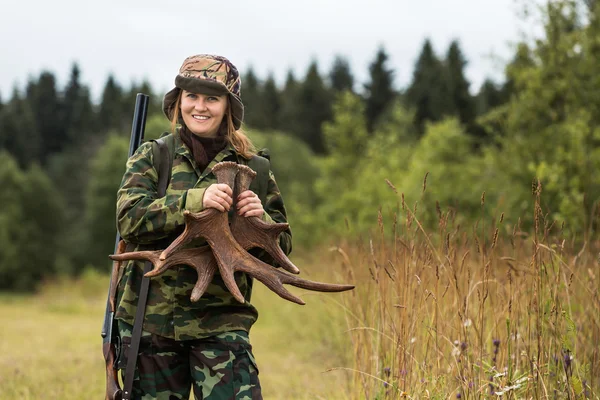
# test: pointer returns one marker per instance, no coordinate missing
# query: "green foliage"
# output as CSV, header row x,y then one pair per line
x,y
30,224
156,125
295,169
352,187
11,217
549,130
345,140
19,133
44,224
106,170
454,176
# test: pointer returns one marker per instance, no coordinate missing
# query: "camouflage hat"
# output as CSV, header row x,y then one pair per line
x,y
211,75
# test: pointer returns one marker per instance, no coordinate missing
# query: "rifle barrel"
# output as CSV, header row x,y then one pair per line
x,y
138,126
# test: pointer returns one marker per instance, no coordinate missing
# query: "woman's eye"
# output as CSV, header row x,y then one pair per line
x,y
213,98
191,95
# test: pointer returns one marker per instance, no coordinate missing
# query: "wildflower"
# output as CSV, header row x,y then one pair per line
x,y
458,395
467,323
387,371
455,351
463,346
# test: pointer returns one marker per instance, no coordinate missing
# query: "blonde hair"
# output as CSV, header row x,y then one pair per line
x,y
237,138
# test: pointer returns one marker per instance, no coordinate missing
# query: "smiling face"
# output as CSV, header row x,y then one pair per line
x,y
202,114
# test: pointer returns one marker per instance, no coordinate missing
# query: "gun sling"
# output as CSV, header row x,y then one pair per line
x,y
164,175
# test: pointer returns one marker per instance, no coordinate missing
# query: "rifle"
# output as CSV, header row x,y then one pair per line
x,y
111,345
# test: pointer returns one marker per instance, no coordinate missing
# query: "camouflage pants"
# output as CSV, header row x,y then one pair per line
x,y
220,367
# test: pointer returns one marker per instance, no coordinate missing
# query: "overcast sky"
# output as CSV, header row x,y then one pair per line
x,y
149,39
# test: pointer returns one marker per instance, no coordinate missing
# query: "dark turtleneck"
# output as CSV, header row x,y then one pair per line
x,y
203,149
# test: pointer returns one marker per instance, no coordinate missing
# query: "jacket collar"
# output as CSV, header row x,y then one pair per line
x,y
227,154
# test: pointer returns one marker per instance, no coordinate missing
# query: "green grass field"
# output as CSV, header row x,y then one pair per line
x,y
50,344
436,316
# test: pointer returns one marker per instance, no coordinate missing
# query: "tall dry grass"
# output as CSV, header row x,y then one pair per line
x,y
470,313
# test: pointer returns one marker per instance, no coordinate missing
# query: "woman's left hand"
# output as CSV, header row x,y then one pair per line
x,y
249,205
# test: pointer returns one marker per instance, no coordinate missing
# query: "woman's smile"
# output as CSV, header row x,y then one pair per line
x,y
202,114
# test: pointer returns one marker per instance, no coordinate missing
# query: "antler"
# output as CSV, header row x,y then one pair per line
x,y
199,258
213,226
253,232
230,255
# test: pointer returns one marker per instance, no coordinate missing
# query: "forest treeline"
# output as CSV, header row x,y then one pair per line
x,y
345,153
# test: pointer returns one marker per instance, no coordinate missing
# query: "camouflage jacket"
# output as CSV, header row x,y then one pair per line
x,y
149,222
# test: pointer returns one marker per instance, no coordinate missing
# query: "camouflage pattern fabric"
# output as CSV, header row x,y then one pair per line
x,y
213,68
152,223
219,367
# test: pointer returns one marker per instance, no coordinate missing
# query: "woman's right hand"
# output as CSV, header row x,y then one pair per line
x,y
219,196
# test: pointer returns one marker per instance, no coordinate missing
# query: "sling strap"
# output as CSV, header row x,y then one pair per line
x,y
164,175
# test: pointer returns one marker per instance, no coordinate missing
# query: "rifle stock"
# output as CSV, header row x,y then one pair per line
x,y
110,334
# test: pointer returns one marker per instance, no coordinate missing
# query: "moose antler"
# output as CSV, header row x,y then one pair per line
x,y
252,232
199,258
230,255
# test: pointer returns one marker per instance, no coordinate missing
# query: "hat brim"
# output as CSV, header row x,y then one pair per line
x,y
206,87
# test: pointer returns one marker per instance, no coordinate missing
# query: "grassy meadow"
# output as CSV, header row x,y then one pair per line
x,y
50,344
456,312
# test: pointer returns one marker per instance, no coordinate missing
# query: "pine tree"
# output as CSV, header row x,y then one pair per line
x,y
106,170
79,117
458,85
47,110
252,98
489,96
340,76
428,91
19,133
379,92
314,108
272,104
288,117
112,113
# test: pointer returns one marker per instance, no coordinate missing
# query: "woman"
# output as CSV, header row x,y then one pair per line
x,y
202,345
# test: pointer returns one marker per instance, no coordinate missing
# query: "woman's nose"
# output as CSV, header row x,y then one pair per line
x,y
200,105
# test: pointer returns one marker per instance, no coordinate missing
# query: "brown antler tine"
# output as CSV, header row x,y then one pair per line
x,y
244,177
213,225
253,232
199,258
202,260
146,255
225,172
190,231
312,285
274,279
